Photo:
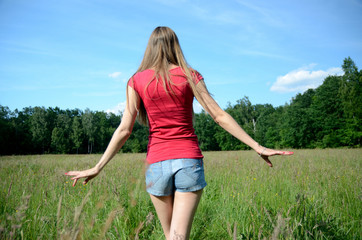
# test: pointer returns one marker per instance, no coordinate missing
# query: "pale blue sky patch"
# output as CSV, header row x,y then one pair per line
x,y
115,74
80,54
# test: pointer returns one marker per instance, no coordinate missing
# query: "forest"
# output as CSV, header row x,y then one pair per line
x,y
326,117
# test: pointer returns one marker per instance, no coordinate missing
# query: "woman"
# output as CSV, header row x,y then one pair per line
x,y
161,93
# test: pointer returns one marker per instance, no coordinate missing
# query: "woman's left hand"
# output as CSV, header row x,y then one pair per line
x,y
87,174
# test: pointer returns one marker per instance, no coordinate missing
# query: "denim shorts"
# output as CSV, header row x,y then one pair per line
x,y
182,175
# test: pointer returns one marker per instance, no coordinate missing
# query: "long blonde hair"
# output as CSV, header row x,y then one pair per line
x,y
163,49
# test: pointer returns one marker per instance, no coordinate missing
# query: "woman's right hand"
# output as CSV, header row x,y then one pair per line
x,y
265,153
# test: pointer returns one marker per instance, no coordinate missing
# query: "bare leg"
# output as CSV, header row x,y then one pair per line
x,y
164,207
184,208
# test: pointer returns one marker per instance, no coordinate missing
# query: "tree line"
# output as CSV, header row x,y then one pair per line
x,y
326,117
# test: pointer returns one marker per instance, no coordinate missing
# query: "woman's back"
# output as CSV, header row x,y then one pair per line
x,y
169,114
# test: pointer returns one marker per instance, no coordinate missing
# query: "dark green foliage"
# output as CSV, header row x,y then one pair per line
x,y
76,133
297,128
245,115
326,117
39,130
6,129
138,141
205,129
350,93
61,134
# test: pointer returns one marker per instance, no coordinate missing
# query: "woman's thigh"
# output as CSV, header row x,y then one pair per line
x,y
184,208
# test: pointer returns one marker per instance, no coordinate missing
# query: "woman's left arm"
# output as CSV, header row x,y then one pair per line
x,y
119,137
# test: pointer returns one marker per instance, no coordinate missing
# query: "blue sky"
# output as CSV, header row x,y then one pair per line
x,y
80,53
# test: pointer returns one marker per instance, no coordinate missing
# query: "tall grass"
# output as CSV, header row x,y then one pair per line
x,y
315,194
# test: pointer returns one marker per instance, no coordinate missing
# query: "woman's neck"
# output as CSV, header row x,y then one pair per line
x,y
170,67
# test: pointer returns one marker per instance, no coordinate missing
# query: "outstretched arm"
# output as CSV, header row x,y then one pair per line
x,y
229,124
119,137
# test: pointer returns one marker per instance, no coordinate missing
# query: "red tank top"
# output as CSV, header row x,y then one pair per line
x,y
171,132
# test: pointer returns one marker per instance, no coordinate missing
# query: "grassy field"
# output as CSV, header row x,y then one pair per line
x,y
315,194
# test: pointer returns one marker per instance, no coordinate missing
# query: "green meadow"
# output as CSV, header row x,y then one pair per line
x,y
314,194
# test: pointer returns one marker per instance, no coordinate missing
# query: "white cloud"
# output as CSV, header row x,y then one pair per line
x,y
303,79
197,107
117,109
114,75
97,94
262,54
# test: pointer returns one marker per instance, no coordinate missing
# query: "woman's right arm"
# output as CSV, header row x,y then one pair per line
x,y
119,137
229,124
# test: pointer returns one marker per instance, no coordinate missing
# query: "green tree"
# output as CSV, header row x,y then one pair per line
x,y
39,128
328,113
266,125
61,140
76,134
350,92
22,138
138,140
239,112
205,129
6,130
90,128
297,129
